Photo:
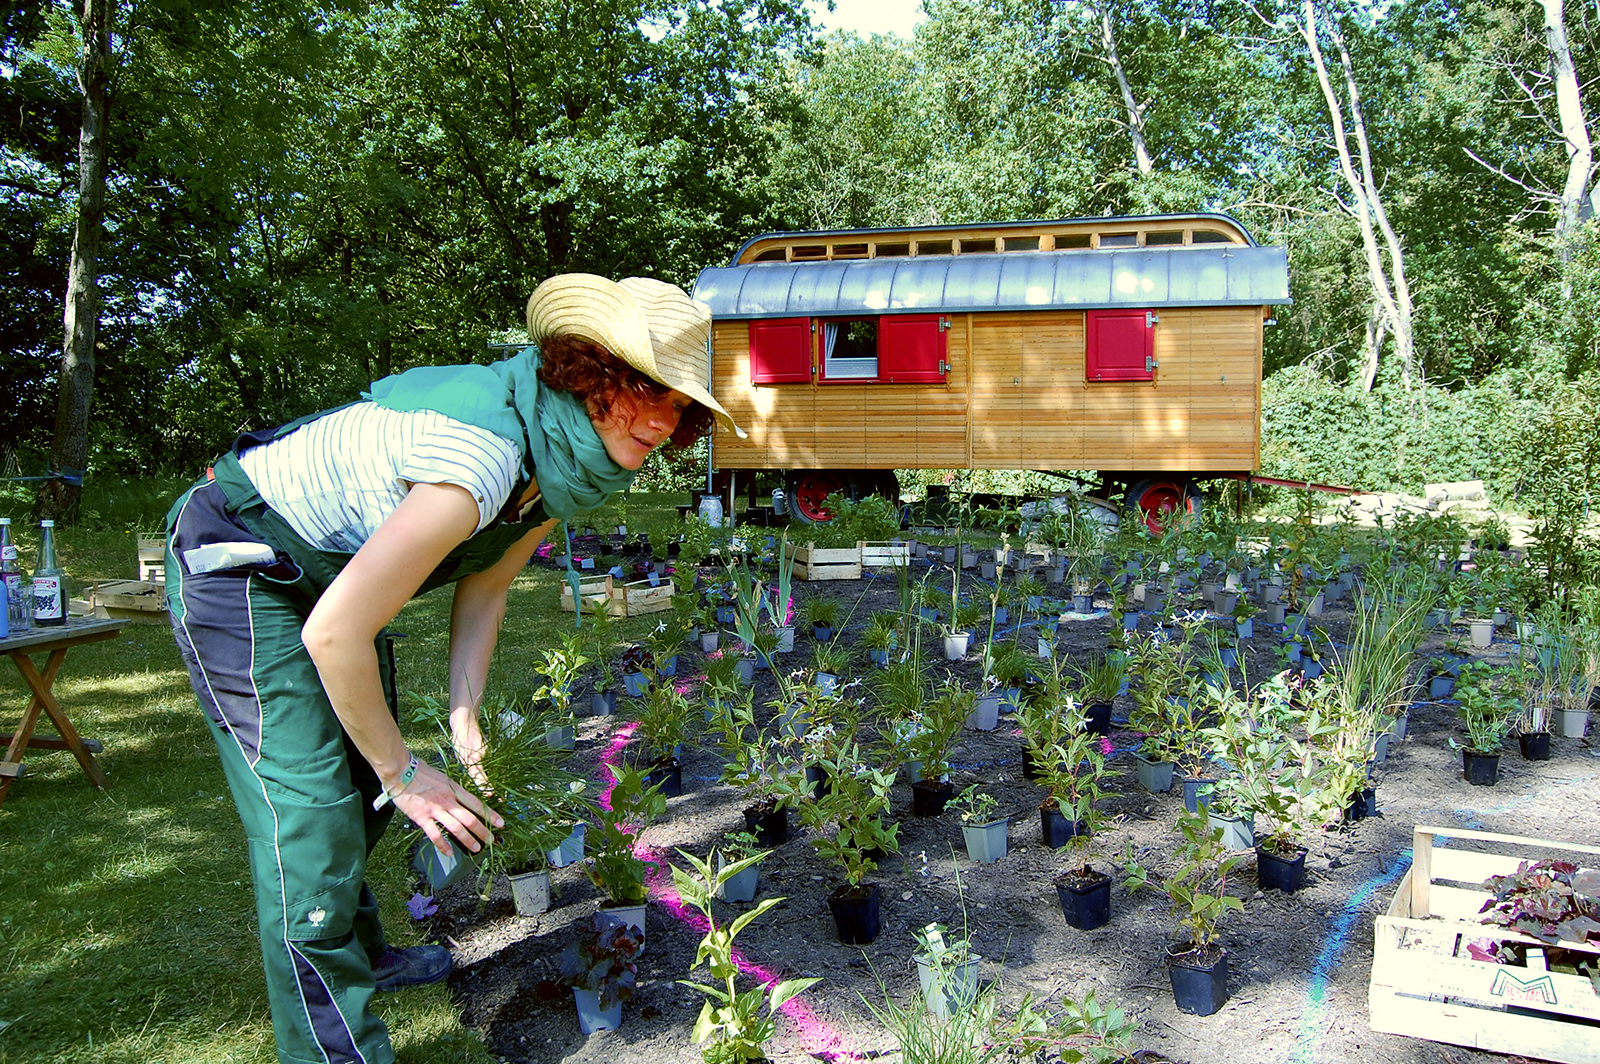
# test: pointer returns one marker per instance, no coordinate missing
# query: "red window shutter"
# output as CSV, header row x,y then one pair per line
x,y
1119,345
911,349
780,351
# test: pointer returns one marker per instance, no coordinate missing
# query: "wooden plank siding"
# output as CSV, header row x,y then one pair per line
x,y
1016,398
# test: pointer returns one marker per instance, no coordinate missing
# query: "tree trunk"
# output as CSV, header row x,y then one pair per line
x,y
1386,264
1130,103
1574,130
69,451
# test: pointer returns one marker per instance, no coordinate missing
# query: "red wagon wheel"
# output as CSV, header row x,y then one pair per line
x,y
1158,500
808,494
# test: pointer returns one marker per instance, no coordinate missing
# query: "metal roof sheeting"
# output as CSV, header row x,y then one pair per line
x,y
1212,276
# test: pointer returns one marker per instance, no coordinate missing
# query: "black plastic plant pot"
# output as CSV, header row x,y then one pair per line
x,y
856,913
1193,800
1363,803
769,826
1099,718
928,797
669,774
1535,746
1085,900
1199,979
1274,872
1482,770
1057,829
1029,770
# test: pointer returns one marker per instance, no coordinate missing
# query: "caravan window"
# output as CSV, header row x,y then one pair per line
x,y
850,349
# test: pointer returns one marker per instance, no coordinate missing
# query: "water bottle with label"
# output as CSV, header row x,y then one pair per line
x,y
49,582
19,611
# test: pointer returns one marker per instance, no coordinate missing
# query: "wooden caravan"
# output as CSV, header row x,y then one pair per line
x,y
1131,346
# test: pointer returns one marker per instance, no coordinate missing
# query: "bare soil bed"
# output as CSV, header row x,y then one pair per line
x,y
1299,963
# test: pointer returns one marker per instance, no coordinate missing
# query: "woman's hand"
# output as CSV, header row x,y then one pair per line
x,y
437,805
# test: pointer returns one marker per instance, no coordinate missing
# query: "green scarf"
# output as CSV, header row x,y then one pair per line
x,y
559,446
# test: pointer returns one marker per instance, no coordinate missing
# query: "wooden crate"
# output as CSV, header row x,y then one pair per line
x,y
873,553
137,600
632,599
812,562
1425,985
152,556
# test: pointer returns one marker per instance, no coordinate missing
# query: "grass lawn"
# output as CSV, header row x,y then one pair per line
x,y
127,930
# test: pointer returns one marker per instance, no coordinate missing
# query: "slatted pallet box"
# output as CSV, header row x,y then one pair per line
x,y
632,599
812,563
1424,984
878,554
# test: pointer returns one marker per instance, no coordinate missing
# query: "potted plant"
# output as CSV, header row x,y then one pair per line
x,y
1083,892
560,666
1099,683
1540,692
663,720
761,764
526,778
1280,774
822,614
983,831
614,868
1197,965
1071,771
828,663
878,639
600,639
1030,589
731,1026
940,722
664,640
638,667
601,970
947,970
1046,713
739,848
1489,711
849,829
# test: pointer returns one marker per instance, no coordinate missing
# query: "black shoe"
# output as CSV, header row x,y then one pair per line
x,y
412,966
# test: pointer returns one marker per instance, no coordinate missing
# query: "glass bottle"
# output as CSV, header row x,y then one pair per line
x,y
11,572
49,582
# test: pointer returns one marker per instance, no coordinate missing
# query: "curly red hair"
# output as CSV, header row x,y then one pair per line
x,y
600,378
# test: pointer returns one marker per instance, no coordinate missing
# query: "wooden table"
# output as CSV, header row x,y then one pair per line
x,y
55,642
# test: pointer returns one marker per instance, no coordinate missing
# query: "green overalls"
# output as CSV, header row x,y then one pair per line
x,y
303,791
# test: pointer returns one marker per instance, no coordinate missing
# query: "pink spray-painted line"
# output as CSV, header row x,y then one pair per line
x,y
816,1037
609,756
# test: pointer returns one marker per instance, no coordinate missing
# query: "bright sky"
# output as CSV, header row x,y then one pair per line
x,y
867,17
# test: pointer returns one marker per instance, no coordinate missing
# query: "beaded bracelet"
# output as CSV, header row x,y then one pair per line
x,y
391,793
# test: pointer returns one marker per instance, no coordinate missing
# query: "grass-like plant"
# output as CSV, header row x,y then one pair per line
x,y
521,776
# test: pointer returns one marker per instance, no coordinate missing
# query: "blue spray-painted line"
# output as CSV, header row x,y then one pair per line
x,y
1311,1026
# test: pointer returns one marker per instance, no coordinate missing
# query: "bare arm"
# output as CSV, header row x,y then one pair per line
x,y
475,618
340,633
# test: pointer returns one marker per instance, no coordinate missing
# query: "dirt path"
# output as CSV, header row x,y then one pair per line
x,y
1299,963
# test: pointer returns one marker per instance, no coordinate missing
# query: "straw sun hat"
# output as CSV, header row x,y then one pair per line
x,y
651,325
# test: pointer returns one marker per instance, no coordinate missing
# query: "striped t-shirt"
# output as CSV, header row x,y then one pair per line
x,y
337,478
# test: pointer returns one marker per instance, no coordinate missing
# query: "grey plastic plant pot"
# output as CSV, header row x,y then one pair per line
x,y
531,893
986,843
